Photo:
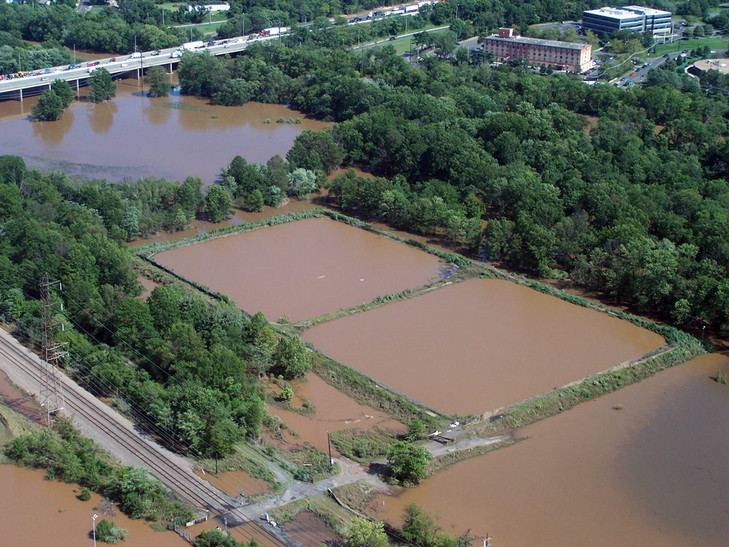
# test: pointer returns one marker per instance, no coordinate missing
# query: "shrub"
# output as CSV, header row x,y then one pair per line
x,y
108,532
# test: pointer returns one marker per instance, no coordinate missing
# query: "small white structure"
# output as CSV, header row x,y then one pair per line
x,y
212,8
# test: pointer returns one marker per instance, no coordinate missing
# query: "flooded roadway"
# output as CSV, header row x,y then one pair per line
x,y
642,466
303,269
481,344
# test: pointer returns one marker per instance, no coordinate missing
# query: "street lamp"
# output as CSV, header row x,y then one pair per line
x,y
93,523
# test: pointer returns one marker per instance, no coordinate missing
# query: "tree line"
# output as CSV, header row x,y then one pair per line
x,y
620,191
185,367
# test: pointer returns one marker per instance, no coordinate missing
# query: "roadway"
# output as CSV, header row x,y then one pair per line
x,y
76,74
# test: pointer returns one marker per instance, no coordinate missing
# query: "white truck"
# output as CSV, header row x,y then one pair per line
x,y
190,46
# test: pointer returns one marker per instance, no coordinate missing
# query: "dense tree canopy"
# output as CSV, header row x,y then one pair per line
x,y
185,367
622,191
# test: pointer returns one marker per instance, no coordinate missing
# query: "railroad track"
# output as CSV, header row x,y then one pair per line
x,y
80,405
24,368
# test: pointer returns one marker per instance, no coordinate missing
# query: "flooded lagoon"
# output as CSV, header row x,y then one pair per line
x,y
642,466
480,345
303,269
137,136
333,411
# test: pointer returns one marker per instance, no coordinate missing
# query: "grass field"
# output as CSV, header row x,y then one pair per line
x,y
401,45
713,42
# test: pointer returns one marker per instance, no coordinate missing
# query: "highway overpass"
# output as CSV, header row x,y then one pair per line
x,y
17,88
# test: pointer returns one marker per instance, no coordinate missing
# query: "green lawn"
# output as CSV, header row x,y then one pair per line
x,y
713,42
401,45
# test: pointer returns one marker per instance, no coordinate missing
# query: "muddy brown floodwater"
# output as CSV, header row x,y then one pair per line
x,y
642,466
333,411
136,136
39,512
303,269
481,344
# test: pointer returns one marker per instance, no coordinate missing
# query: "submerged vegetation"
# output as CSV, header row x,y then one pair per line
x,y
68,456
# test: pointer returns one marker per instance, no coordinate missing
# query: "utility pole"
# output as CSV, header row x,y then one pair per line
x,y
50,387
329,445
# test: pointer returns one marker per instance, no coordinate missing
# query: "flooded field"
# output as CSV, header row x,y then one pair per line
x,y
643,466
136,136
48,513
333,411
236,483
303,269
480,345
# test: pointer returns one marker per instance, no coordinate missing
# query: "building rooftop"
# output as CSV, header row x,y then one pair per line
x,y
648,11
626,12
539,42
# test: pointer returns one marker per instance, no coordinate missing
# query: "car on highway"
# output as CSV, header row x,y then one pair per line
x,y
156,52
112,60
92,63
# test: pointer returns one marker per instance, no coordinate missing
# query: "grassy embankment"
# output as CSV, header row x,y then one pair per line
x,y
333,515
250,460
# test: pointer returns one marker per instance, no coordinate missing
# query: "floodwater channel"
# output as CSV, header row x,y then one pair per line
x,y
333,411
49,513
303,269
134,136
480,345
645,465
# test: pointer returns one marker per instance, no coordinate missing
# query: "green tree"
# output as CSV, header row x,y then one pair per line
x,y
408,463
216,538
63,89
159,82
217,203
302,182
49,107
315,150
130,222
255,201
365,533
108,532
190,197
102,87
291,358
444,43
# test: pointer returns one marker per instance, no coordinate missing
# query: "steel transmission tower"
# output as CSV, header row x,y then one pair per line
x,y
50,385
